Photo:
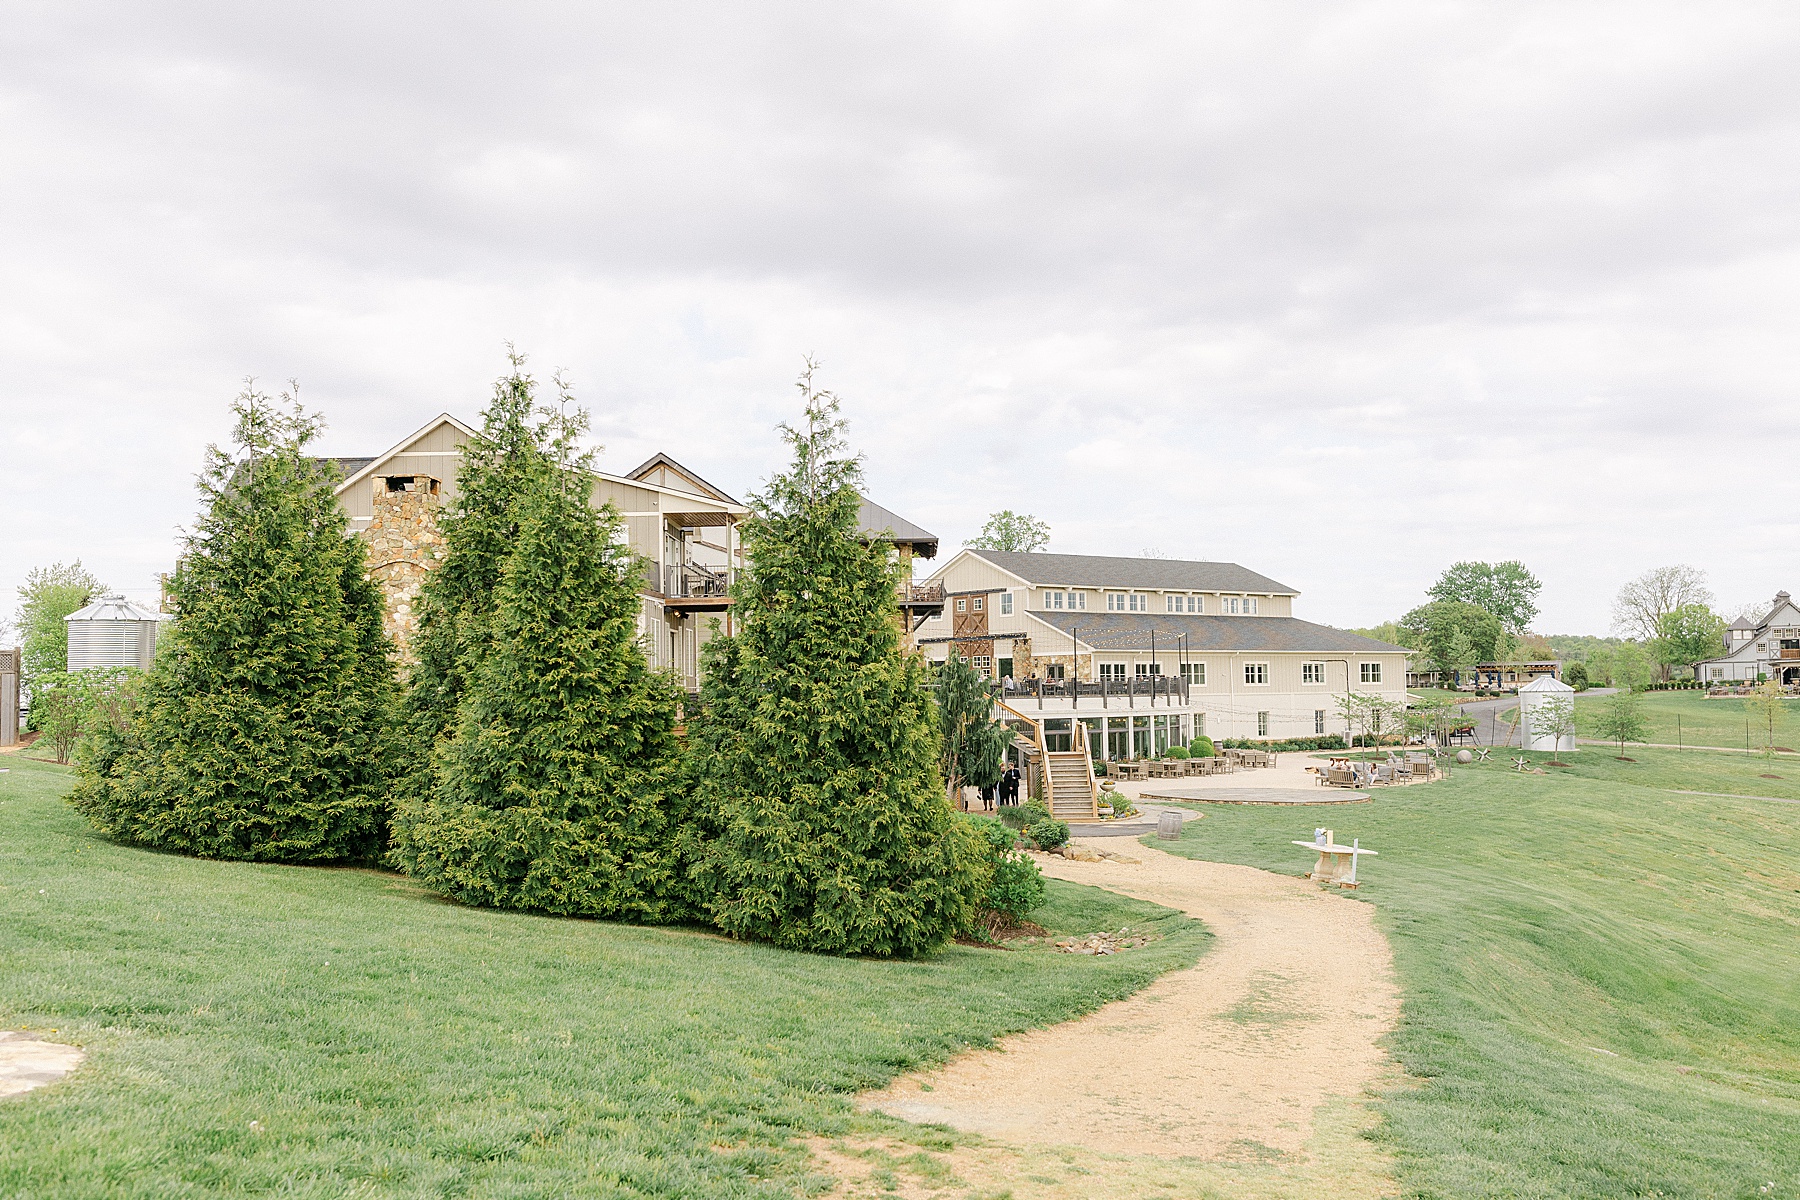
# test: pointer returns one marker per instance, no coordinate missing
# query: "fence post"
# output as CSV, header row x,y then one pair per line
x,y
9,697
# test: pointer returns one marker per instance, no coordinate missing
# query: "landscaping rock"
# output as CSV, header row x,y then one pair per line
x,y
1102,943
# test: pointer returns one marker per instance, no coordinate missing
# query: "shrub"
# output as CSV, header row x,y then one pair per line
x,y
1176,752
1576,676
1202,747
264,727
1047,833
1014,816
822,822
1015,886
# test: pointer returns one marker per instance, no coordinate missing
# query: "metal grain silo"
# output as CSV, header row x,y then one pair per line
x,y
111,632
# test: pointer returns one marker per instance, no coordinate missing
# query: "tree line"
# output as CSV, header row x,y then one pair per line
x,y
532,758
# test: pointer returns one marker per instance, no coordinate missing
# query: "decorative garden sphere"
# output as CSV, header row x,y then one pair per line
x,y
1464,757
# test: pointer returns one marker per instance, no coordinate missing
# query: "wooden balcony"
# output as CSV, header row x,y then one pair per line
x,y
920,602
694,588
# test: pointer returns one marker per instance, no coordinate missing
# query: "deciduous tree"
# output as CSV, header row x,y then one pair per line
x,y
48,595
1767,706
1008,530
1622,720
1641,605
1687,634
1553,717
824,820
1505,589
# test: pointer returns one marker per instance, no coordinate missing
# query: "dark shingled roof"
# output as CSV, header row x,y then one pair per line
x,y
1095,571
872,520
346,467
1208,635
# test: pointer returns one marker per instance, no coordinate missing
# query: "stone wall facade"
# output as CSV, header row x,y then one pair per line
x,y
404,545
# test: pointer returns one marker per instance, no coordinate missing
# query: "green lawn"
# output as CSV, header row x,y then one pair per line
x,y
1601,975
313,1032
1695,720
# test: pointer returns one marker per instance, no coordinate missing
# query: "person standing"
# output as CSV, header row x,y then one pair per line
x,y
1009,784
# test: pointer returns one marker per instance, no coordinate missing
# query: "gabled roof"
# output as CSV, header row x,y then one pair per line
x,y
369,464
1210,635
872,520
701,486
1744,623
1097,571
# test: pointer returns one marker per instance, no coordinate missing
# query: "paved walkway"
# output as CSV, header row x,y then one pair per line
x,y
27,1063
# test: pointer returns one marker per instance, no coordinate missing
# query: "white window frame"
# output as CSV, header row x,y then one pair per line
x,y
1137,602
1250,606
1257,668
984,663
1262,724
1369,672
1112,671
1318,722
962,604
1053,600
1194,673
1006,604
1199,725
977,606
1314,669
1115,602
1146,670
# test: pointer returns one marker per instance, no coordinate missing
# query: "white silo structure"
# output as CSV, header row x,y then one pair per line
x,y
111,632
1533,694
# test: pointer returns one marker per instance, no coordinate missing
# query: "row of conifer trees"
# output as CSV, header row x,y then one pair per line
x,y
531,758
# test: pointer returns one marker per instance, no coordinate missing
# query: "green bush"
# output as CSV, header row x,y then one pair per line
x,y
1015,885
1176,752
1047,833
552,793
821,818
1576,676
264,727
1202,747
1014,816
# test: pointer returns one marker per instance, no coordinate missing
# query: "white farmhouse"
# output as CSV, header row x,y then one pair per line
x,y
1769,647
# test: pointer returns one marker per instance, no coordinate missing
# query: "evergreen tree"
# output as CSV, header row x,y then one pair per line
x,y
823,815
973,743
549,792
264,728
458,600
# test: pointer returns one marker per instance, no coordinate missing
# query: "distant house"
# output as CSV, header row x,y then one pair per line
x,y
1769,647
1497,676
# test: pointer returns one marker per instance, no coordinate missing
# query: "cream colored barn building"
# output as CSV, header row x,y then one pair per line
x,y
1164,650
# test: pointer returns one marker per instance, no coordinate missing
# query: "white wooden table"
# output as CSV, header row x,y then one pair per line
x,y
1337,864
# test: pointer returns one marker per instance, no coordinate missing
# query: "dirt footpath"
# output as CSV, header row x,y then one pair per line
x,y
1261,1053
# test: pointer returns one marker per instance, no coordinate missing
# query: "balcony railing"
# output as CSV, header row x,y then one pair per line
x,y
693,581
915,593
1171,687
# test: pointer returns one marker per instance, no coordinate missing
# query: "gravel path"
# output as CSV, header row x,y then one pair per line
x,y
1239,1055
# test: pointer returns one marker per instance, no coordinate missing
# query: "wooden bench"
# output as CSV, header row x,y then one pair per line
x,y
1337,864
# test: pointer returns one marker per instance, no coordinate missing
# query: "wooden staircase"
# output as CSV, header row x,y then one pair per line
x,y
1062,779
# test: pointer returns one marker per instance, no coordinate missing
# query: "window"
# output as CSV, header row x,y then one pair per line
x,y
1318,720
1183,604
1006,604
1718,672
978,600
1144,669
1112,670
1053,671
1065,600
985,664
1053,599
1262,724
1200,725
1256,674
1194,673
1371,672
1127,602
1078,600
962,604
1313,672
1230,605
1250,605
1006,668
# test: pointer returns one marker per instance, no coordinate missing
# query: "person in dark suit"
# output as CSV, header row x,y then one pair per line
x,y
1009,785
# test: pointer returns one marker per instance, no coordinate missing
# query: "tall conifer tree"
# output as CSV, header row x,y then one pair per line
x,y
822,813
457,603
265,725
549,791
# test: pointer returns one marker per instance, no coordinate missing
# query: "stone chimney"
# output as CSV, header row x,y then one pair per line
x,y
404,545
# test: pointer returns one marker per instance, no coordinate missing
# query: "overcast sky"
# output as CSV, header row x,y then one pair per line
x,y
1341,292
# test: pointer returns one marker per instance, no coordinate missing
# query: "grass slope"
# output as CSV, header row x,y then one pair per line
x,y
385,1043
1702,722
1602,976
